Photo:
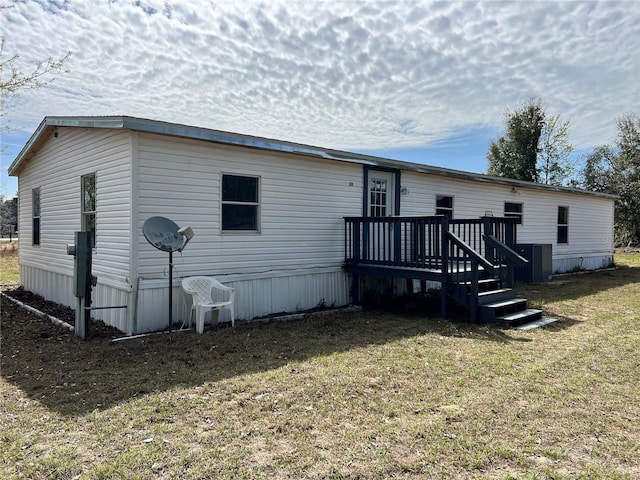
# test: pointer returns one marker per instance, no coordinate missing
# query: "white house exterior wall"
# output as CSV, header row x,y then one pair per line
x,y
590,218
57,169
295,260
293,263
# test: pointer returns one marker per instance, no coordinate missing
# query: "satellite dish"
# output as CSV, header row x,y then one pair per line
x,y
165,235
162,233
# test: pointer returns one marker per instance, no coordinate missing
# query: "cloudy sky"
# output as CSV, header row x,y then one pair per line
x,y
413,80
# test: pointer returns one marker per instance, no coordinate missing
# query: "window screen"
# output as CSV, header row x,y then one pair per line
x,y
444,205
513,210
89,206
240,203
563,224
35,215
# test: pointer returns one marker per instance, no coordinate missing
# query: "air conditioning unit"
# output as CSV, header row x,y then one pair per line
x,y
540,266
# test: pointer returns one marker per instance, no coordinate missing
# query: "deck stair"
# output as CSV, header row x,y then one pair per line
x,y
496,305
473,259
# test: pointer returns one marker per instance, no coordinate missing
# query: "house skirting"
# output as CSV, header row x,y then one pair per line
x,y
58,287
573,263
257,295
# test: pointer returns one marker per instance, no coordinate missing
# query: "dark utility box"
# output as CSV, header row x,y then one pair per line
x,y
540,266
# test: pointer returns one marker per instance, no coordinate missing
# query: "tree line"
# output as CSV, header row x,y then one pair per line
x,y
535,147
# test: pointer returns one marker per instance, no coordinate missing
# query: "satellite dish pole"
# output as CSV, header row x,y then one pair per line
x,y
165,235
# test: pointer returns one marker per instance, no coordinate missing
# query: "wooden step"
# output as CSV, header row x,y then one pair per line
x,y
493,296
490,312
519,318
484,285
506,303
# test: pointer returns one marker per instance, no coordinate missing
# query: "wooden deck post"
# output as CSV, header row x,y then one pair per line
x,y
444,251
355,289
355,278
487,226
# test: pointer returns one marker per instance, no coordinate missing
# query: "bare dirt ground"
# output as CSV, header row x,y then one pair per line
x,y
43,329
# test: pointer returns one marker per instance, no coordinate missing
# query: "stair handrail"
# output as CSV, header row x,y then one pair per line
x,y
512,257
509,253
475,259
469,250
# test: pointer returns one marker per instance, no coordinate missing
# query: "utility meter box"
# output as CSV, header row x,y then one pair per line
x,y
81,250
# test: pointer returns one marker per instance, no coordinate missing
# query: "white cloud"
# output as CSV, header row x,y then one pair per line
x,y
349,74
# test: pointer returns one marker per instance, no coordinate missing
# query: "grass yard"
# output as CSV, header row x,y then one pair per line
x,y
366,396
9,270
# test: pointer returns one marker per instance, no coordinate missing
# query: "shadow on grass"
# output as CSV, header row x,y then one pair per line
x,y
580,284
74,377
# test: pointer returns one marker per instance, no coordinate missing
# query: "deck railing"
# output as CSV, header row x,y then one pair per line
x,y
452,252
394,241
471,231
421,242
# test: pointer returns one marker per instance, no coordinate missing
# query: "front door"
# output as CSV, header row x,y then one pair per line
x,y
381,194
380,203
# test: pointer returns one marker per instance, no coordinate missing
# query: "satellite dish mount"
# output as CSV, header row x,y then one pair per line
x,y
165,235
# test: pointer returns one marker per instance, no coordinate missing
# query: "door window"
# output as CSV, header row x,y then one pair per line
x,y
380,194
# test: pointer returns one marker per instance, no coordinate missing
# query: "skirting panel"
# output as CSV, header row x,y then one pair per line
x,y
257,295
576,264
58,288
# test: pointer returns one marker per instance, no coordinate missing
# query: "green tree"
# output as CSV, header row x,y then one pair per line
x,y
8,215
515,154
616,170
535,147
555,166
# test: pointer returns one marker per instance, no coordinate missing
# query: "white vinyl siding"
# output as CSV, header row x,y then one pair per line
x,y
56,169
294,263
302,204
590,227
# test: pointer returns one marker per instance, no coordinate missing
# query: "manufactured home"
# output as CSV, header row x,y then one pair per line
x,y
289,226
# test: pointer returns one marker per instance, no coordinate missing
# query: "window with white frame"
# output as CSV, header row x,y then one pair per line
x,y
563,225
88,183
35,216
240,203
378,193
513,210
444,205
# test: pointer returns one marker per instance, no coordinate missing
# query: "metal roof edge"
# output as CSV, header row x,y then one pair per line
x,y
54,121
33,139
237,139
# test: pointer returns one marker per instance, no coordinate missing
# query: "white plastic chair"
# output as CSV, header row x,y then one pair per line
x,y
201,290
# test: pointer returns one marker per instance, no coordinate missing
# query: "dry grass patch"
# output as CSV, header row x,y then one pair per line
x,y
370,396
9,269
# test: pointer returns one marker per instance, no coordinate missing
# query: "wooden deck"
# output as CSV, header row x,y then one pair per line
x,y
435,272
433,248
